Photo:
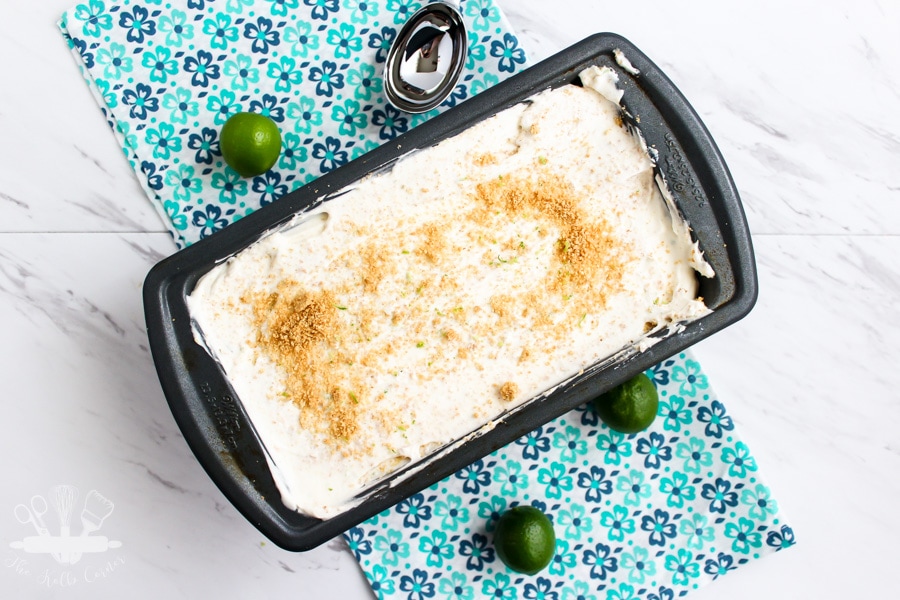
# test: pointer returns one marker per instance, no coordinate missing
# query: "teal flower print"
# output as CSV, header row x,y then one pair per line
x,y
130,139
301,39
638,565
115,61
181,105
436,548
164,141
678,489
350,116
263,34
293,154
618,523
508,52
231,186
361,10
500,588
491,511
160,63
223,106
570,443
173,211
697,529
478,552
237,6
176,27
634,487
614,446
542,589
694,454
744,535
563,559
483,12
739,460
595,484
674,413
511,478
108,96
202,68
241,71
321,8
682,566
285,73
402,9
360,149
365,82
381,582
417,585
456,587
477,51
479,85
344,40
304,115
574,522
280,8
220,31
95,18
690,377
556,479
579,591
451,512
760,501
623,592
182,181
391,547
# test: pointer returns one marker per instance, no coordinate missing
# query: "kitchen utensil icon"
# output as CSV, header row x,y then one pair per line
x,y
64,497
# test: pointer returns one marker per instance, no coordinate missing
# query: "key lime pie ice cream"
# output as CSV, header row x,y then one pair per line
x,y
414,309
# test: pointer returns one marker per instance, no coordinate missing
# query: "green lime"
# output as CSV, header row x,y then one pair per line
x,y
524,539
629,407
250,143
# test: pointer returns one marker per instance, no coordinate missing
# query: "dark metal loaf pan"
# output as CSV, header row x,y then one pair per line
x,y
211,416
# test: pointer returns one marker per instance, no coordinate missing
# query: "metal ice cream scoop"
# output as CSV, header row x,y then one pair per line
x,y
426,58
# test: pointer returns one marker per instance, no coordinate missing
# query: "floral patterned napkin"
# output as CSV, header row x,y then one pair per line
x,y
650,515
168,73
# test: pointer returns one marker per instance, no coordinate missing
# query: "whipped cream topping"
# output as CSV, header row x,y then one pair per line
x,y
419,306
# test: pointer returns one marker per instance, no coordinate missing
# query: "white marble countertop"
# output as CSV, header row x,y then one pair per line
x,y
803,99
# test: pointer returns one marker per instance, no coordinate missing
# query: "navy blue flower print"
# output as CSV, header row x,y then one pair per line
x,y
417,585
415,510
330,154
508,52
594,483
268,107
719,495
588,416
269,186
209,220
659,527
87,57
719,566
358,544
263,34
474,477
381,41
655,450
198,4
534,443
138,23
477,552
390,122
202,68
154,179
715,418
140,100
327,78
542,589
600,560
781,539
664,594
659,374
206,145
321,8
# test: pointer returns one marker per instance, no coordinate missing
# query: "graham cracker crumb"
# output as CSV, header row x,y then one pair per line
x,y
509,391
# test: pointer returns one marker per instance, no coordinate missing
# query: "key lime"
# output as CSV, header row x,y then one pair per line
x,y
630,407
250,143
524,539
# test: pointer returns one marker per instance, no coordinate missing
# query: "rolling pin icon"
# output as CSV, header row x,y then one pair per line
x,y
40,544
